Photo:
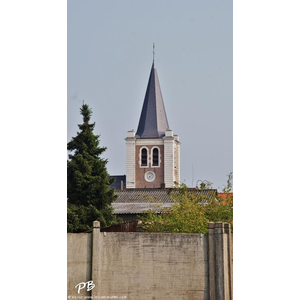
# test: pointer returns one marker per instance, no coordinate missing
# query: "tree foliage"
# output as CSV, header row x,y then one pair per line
x,y
191,213
186,215
89,193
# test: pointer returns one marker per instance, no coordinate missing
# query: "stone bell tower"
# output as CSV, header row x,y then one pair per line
x,y
153,152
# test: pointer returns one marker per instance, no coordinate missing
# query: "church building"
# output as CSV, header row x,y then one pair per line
x,y
153,152
152,161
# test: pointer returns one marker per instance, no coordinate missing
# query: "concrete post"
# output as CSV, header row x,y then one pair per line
x,y
219,231
231,263
211,260
230,260
96,259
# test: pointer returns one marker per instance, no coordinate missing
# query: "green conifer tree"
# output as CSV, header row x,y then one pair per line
x,y
88,183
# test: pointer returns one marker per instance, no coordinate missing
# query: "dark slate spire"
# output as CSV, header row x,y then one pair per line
x,y
153,121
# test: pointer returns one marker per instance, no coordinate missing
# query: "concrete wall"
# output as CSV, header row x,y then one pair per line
x,y
79,261
154,266
138,265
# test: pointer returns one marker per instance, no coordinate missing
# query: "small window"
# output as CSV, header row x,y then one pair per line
x,y
155,157
144,157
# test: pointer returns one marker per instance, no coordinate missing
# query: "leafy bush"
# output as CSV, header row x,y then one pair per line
x,y
190,213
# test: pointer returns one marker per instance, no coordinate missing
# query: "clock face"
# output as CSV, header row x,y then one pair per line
x,y
149,176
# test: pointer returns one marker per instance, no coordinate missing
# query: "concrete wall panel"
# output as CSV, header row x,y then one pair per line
x,y
79,261
154,266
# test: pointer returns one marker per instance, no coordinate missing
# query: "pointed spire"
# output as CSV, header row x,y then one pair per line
x,y
153,120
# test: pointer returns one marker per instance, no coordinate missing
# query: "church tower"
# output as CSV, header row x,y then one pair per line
x,y
153,152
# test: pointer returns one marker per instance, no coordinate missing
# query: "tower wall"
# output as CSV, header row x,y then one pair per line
x,y
177,160
165,174
141,171
169,162
130,160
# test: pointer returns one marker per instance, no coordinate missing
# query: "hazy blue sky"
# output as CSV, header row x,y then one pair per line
x,y
109,62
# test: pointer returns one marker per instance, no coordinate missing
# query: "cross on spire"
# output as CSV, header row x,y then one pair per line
x,y
153,51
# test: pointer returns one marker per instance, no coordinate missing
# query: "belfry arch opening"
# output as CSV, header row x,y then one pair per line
x,y
144,157
155,157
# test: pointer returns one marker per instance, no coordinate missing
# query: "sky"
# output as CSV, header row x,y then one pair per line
x,y
109,57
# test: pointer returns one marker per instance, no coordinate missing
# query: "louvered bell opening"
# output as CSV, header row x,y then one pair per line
x,y
144,157
155,157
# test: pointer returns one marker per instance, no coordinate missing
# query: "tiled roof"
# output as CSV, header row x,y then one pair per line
x,y
135,201
153,121
225,196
